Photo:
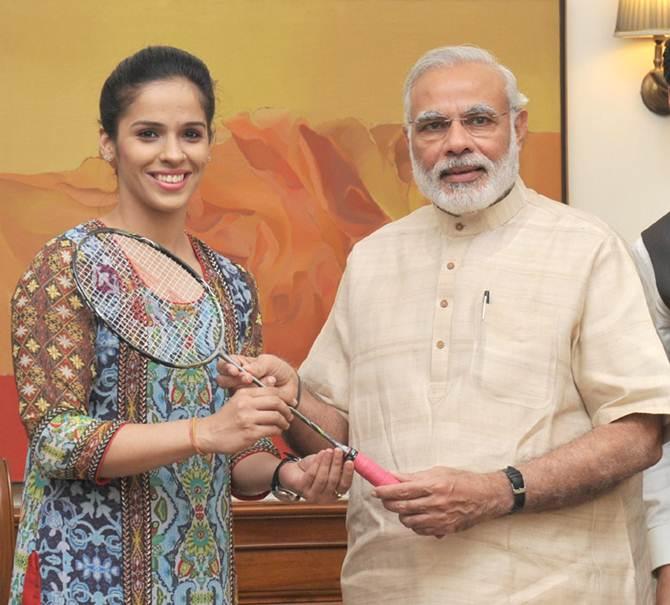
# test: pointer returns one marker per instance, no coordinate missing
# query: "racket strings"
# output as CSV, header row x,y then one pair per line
x,y
149,299
158,273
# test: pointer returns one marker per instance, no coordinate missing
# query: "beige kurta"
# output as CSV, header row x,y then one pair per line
x,y
430,374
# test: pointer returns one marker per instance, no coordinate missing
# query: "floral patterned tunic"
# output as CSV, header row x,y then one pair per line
x,y
159,537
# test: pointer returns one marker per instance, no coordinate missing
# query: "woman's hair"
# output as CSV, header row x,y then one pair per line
x,y
666,62
150,65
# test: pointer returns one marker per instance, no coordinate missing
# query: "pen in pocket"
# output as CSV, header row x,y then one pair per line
x,y
486,299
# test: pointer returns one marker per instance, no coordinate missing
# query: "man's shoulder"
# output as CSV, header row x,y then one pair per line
x,y
651,252
410,226
564,217
657,235
663,222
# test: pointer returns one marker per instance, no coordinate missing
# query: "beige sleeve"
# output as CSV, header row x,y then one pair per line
x,y
619,365
325,372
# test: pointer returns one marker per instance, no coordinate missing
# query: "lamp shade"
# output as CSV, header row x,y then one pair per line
x,y
643,18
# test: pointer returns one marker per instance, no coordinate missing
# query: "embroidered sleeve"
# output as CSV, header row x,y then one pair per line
x,y
262,445
251,344
53,349
240,298
251,328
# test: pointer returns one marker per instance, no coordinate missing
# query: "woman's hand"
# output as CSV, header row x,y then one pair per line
x,y
249,415
321,478
269,369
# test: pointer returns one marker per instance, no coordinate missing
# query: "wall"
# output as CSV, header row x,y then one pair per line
x,y
617,149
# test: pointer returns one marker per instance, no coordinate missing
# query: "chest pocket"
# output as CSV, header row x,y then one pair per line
x,y
515,356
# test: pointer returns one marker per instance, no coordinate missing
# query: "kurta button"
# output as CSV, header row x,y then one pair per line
x,y
459,226
440,344
444,303
450,266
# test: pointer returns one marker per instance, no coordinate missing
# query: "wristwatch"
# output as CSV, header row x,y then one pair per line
x,y
278,490
518,487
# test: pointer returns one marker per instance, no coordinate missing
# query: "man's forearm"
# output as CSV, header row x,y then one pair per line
x,y
663,585
593,463
305,440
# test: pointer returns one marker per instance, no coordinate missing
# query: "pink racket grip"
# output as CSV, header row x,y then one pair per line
x,y
371,471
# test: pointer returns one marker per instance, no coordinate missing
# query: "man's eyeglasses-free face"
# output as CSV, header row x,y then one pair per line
x,y
434,127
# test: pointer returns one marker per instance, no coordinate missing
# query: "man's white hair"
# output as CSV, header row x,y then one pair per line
x,y
448,56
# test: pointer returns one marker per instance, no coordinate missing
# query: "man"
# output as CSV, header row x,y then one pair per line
x,y
651,253
493,329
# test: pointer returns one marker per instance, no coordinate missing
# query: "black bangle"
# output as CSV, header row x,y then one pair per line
x,y
298,393
518,487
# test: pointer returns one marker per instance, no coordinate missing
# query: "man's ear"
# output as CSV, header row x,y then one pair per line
x,y
521,127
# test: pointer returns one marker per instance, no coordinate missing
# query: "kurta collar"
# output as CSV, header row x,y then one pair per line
x,y
473,223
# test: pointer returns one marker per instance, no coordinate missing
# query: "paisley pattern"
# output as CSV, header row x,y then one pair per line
x,y
161,537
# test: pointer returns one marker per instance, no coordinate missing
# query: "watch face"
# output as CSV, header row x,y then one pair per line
x,y
285,495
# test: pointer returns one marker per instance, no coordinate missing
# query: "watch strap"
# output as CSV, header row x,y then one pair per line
x,y
275,485
518,487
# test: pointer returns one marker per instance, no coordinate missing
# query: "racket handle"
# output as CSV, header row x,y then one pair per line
x,y
371,471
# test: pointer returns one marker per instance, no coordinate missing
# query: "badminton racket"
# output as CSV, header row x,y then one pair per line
x,y
363,465
162,308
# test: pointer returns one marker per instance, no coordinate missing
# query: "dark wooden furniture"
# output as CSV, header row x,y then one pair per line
x,y
7,531
285,553
289,553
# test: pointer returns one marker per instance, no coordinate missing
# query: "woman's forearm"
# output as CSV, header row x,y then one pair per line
x,y
138,448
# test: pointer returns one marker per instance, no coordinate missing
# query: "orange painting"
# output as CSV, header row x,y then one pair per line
x,y
286,195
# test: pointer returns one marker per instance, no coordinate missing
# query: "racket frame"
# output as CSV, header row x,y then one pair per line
x,y
145,240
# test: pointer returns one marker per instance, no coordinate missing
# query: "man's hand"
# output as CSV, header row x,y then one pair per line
x,y
663,585
443,500
273,371
320,478
269,369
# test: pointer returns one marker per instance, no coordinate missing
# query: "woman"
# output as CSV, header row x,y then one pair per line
x,y
131,464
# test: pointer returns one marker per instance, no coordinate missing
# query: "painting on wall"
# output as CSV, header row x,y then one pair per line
x,y
310,154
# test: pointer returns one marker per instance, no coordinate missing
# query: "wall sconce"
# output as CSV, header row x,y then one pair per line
x,y
648,19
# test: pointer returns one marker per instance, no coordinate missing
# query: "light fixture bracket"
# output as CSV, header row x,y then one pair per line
x,y
654,89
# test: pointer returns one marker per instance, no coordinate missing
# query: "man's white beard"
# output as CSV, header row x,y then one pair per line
x,y
461,198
